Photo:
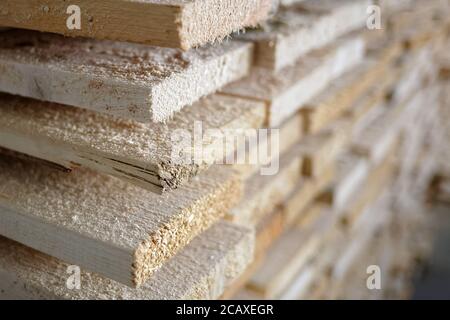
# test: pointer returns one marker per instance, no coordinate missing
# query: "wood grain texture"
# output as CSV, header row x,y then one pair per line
x,y
296,30
147,84
168,23
103,224
201,270
287,91
147,155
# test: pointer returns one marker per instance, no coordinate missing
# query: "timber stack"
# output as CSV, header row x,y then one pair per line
x,y
244,149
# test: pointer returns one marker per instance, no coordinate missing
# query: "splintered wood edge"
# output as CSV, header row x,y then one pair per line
x,y
156,176
154,251
131,266
174,24
205,267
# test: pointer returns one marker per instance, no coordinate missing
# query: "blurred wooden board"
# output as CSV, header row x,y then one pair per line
x,y
201,270
103,224
272,226
341,95
289,253
147,84
287,91
351,173
380,176
278,141
319,150
142,154
296,30
168,23
262,193
297,204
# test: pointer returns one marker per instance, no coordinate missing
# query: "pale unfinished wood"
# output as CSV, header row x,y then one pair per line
x,y
166,23
272,226
132,81
263,193
402,17
287,135
201,270
287,256
351,172
103,224
142,154
321,149
341,95
307,190
296,30
289,90
351,95
311,158
375,141
357,91
380,176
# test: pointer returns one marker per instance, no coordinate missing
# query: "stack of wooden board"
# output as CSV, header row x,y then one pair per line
x,y
374,209
274,164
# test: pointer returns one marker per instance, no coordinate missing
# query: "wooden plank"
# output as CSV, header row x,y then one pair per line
x,y
142,154
105,225
201,270
376,140
270,227
168,23
263,193
287,256
286,92
285,137
321,149
351,172
351,97
312,157
297,30
298,202
341,95
381,176
127,80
